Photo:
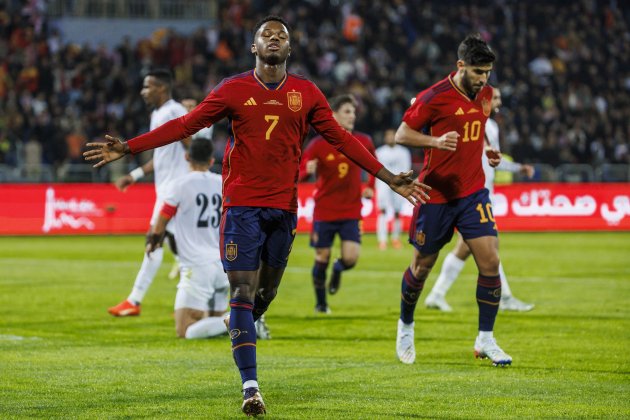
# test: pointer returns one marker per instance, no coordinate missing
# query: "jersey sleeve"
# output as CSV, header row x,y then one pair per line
x,y
213,108
369,145
173,194
420,113
320,117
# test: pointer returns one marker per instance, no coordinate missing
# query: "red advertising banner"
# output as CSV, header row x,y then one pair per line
x,y
52,209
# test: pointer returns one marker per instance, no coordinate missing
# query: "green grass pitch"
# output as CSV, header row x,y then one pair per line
x,y
63,356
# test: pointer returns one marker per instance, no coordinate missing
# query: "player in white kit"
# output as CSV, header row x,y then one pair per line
x,y
202,292
168,163
397,159
455,260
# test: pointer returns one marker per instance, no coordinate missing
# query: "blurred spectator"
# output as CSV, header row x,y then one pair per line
x,y
562,67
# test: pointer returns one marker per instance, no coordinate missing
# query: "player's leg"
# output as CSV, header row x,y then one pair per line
x,y
397,205
241,242
382,202
322,237
431,229
478,228
144,278
451,267
508,301
350,234
172,244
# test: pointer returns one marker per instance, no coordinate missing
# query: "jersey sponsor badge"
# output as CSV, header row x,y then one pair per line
x,y
231,251
487,107
420,237
295,100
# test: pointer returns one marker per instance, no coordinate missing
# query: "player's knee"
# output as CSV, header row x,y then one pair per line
x,y
269,294
349,262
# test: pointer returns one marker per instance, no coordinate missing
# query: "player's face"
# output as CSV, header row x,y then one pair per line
x,y
271,44
496,99
346,115
150,92
474,78
390,138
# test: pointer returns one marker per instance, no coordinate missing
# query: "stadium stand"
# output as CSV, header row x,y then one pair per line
x,y
562,68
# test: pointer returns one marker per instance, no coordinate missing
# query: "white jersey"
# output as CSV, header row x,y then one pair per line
x,y
197,196
169,162
492,134
397,159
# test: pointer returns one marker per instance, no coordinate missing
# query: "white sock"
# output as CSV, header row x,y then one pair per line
x,y
148,270
485,335
506,292
206,327
250,384
451,267
396,224
381,227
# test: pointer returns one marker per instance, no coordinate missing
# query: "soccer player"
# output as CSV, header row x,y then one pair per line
x,y
397,159
454,261
168,163
337,201
447,120
202,292
269,112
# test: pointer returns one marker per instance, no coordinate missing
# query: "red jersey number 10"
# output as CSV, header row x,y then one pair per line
x,y
472,131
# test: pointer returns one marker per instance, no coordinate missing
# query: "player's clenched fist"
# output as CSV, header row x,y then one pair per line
x,y
447,141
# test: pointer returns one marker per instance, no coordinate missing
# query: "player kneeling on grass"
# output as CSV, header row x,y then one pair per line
x,y
202,292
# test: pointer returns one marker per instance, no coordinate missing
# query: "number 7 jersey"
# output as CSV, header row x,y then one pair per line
x,y
196,200
442,108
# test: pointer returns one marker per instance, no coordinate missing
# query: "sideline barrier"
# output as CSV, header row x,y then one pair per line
x,y
53,209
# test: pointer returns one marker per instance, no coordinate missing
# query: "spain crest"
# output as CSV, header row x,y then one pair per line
x,y
487,107
294,100
231,251
420,237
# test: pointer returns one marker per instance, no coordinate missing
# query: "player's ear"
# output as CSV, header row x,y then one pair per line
x,y
253,49
460,64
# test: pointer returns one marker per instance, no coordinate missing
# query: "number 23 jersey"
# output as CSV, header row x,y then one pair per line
x,y
197,197
442,108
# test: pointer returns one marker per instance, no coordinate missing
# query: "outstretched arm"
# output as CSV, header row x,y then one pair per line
x,y
407,136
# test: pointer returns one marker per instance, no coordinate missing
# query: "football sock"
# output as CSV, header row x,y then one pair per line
x,y
144,278
488,297
260,306
250,384
396,226
206,327
506,292
243,336
411,289
381,227
451,267
485,335
339,266
319,282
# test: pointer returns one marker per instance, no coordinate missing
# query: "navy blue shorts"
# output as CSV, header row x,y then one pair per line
x,y
323,233
252,234
432,225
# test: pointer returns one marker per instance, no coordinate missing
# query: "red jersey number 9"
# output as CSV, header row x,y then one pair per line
x,y
343,169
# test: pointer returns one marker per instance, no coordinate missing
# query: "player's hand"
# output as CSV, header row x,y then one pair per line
x,y
367,193
109,151
415,192
528,171
123,182
311,166
447,141
154,240
494,156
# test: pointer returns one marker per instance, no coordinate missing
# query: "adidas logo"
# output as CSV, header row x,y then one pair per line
x,y
472,110
250,102
459,112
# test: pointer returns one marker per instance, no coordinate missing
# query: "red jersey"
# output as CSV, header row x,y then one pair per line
x,y
338,185
442,108
267,127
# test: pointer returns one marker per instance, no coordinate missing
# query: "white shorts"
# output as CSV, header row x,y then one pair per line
x,y
204,288
170,227
387,199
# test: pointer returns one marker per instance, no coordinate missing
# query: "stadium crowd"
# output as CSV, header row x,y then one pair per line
x,y
563,68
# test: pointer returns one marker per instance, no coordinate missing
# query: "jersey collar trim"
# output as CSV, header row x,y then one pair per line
x,y
261,83
461,92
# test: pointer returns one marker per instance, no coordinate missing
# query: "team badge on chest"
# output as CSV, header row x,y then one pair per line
x,y
295,100
231,251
